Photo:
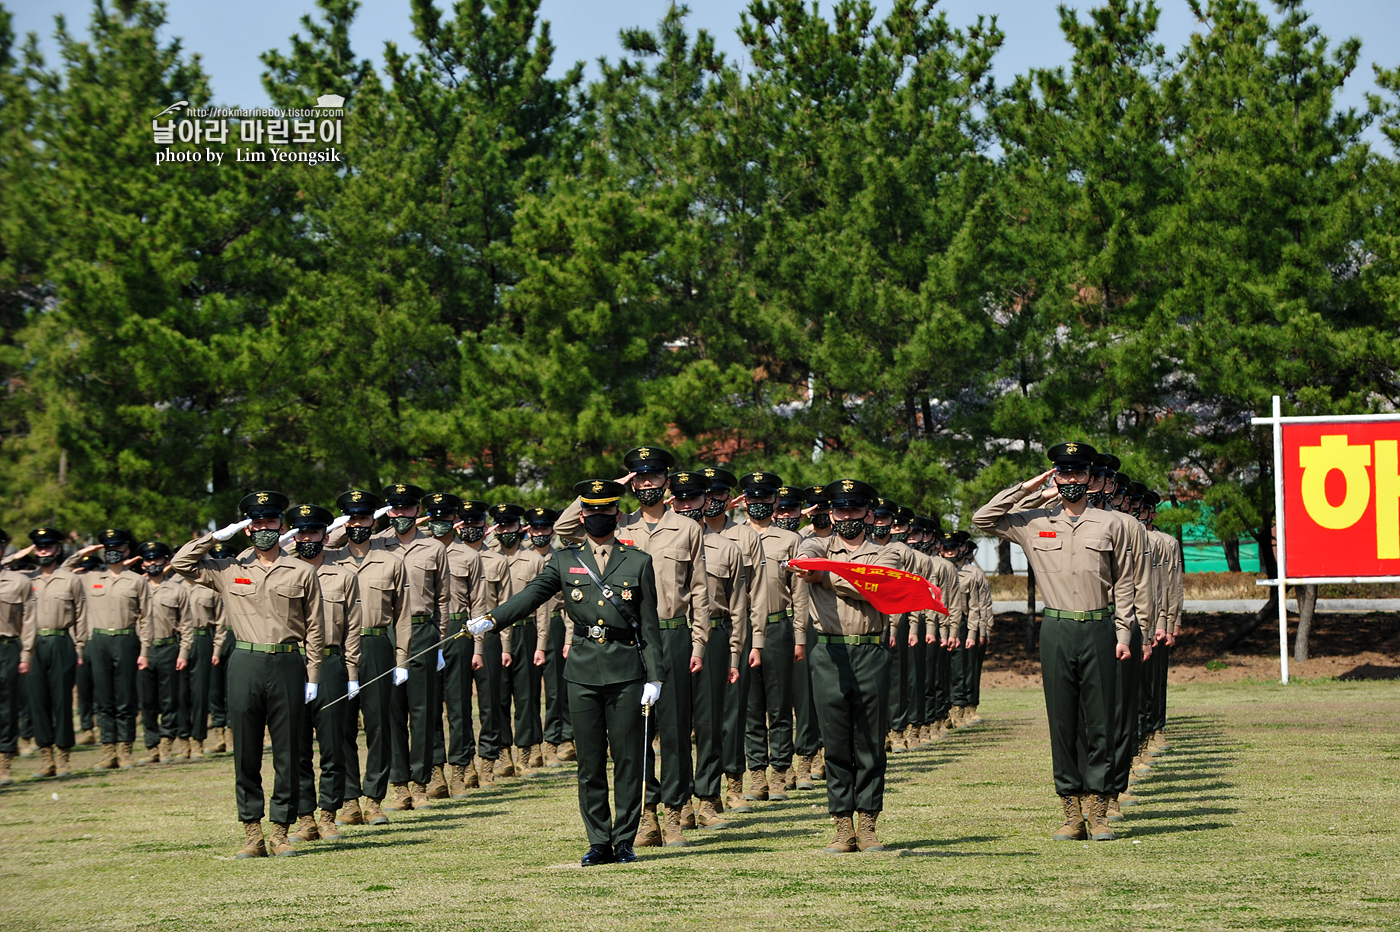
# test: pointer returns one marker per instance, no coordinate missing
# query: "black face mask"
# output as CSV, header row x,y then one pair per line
x,y
265,539
508,539
714,507
439,528
788,524
403,525
541,541
1097,499
902,536
761,511
649,497
695,514
599,525
821,521
473,534
308,549
849,529
153,569
113,556
359,533
881,531
1073,491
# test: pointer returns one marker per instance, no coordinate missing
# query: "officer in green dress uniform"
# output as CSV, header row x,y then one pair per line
x,y
613,664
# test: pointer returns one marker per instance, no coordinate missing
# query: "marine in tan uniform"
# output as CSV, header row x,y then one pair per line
x,y
522,679
488,648
807,733
850,670
14,592
919,731
117,599
164,628
325,722
54,637
274,614
1171,578
978,589
677,550
558,729
221,735
1083,564
206,617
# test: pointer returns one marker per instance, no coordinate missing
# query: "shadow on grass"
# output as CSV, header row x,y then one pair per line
x,y
1200,761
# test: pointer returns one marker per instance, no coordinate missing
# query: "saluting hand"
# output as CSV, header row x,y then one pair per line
x,y
1030,485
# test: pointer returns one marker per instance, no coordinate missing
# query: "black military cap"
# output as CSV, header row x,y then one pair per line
x,y
598,491
156,550
358,502
883,506
438,504
1152,499
721,480
308,516
1136,490
960,538
1072,454
472,509
814,496
760,483
904,515
1105,464
506,513
790,496
46,535
263,505
402,495
923,523
684,483
223,550
116,535
1122,480
541,517
849,493
648,459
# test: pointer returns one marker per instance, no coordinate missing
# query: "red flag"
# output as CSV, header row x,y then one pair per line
x,y
890,591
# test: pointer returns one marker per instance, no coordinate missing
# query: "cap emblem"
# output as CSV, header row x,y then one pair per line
x,y
355,496
1071,448
262,498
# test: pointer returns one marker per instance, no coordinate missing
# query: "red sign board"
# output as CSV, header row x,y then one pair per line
x,y
1341,494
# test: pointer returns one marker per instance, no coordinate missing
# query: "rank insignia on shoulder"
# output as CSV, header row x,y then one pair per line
x,y
576,595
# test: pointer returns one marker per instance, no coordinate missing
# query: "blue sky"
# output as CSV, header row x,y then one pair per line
x,y
229,36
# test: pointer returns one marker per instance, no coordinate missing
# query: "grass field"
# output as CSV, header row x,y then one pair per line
x,y
1274,810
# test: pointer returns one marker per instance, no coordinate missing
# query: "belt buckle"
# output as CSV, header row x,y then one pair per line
x,y
596,633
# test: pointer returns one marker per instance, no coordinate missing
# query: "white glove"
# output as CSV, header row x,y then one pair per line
x,y
224,533
353,689
442,661
479,625
400,675
286,538
381,512
310,692
650,693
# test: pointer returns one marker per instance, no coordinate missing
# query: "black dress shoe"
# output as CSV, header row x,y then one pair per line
x,y
624,854
601,854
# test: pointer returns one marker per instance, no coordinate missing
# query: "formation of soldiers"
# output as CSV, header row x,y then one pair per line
x,y
679,640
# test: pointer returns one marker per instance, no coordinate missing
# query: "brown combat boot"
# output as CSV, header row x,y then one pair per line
x,y
471,781
306,829
803,776
326,826
108,760
819,765
5,762
420,796
62,763
972,717
504,767
522,762
279,845
672,829
1115,814
687,815
124,756
567,752
45,763
167,751
789,779
866,834
551,755
27,748
194,749
1159,740
457,783
253,844
536,756
216,740
707,814
403,799
1099,829
437,787
758,785
846,839
648,829
350,813
1126,799
734,800
777,787
85,738
488,772
1074,828
152,755
374,812
181,748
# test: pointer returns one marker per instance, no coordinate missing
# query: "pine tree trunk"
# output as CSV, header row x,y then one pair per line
x,y
1307,605
1004,558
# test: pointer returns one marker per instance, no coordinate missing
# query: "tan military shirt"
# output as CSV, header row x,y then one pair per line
x,y
955,597
555,604
381,580
206,611
14,592
495,588
56,601
978,589
729,597
429,581
277,604
839,606
343,612
524,565
785,594
1081,565
466,584
1144,586
1171,580
167,615
115,601
677,553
